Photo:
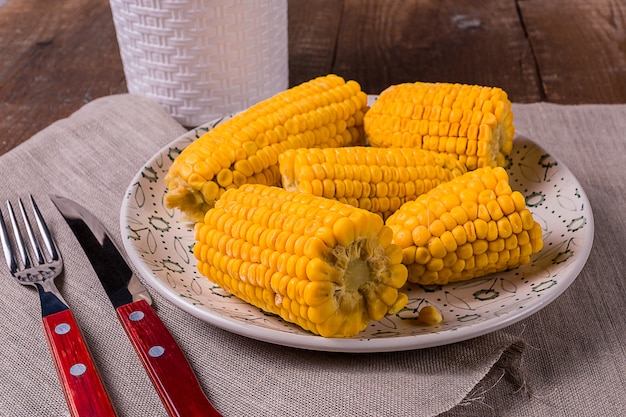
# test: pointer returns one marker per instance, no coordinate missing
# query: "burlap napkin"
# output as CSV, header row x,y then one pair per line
x,y
92,156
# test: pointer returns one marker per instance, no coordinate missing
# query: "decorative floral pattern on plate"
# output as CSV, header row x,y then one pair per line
x,y
160,246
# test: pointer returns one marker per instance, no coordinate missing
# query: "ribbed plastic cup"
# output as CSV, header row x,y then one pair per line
x,y
203,59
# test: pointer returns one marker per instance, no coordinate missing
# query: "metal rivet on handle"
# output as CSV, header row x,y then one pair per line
x,y
156,351
78,369
62,328
136,315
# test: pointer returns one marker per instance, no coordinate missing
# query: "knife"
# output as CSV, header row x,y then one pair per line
x,y
169,370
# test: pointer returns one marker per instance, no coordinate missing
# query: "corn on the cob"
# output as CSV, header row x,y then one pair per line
x,y
326,266
473,123
379,180
323,112
471,226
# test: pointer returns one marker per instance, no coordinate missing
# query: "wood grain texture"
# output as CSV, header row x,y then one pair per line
x,y
580,48
313,28
436,40
57,56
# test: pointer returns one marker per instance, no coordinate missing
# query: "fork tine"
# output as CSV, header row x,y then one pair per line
x,y
34,243
18,237
6,246
44,231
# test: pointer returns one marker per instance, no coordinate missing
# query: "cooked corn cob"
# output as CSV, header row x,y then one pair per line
x,y
472,123
375,179
324,112
471,226
326,266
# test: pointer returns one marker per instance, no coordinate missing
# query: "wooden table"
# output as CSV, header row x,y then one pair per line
x,y
57,56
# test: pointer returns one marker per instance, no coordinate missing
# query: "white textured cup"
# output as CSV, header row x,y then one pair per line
x,y
203,59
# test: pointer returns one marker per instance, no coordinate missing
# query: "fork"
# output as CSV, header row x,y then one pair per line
x,y
84,391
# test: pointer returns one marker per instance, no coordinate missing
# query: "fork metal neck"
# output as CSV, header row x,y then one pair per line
x,y
51,300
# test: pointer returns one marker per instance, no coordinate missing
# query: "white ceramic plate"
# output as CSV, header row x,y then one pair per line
x,y
159,245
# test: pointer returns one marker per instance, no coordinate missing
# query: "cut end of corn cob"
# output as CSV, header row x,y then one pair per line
x,y
472,123
324,112
471,226
379,180
326,266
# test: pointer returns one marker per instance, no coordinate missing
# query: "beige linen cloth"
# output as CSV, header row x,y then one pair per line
x,y
568,359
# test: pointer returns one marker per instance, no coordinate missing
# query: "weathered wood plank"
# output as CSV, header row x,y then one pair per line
x,y
387,41
56,56
59,55
580,48
313,29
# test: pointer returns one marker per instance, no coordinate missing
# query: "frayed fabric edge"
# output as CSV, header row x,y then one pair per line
x,y
508,368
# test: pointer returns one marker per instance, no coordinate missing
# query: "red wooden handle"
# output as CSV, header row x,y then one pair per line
x,y
171,374
84,391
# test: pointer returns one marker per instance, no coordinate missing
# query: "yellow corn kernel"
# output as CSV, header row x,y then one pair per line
x,y
462,125
317,292
326,266
429,316
470,246
324,112
385,178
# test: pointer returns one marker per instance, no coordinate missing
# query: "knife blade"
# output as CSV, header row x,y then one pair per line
x,y
170,372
